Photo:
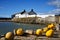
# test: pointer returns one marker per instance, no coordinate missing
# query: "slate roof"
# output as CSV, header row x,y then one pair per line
x,y
24,11
32,12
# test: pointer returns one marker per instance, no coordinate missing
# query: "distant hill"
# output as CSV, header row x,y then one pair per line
x,y
5,17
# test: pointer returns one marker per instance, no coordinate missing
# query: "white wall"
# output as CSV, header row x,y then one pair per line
x,y
24,15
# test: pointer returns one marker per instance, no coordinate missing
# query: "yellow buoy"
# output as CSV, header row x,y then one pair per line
x,y
49,33
51,26
9,35
19,31
45,29
39,32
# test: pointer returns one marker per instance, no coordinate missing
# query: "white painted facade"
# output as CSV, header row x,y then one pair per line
x,y
40,17
27,15
24,15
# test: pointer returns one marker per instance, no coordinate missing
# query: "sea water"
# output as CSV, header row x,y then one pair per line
x,y
10,26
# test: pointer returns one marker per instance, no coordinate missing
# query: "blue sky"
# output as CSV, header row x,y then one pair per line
x,y
9,7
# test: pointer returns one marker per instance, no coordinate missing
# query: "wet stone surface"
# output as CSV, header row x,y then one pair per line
x,y
35,37
32,37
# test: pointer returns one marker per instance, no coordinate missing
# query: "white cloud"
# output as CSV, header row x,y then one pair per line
x,y
55,11
55,3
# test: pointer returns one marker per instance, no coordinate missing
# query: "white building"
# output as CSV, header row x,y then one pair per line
x,y
50,19
32,14
24,14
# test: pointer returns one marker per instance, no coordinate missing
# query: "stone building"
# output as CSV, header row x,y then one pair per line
x,y
57,18
26,17
50,19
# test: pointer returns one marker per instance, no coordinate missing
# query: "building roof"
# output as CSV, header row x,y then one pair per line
x,y
23,12
57,15
32,12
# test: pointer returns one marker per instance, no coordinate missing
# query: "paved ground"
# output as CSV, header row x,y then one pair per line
x,y
34,37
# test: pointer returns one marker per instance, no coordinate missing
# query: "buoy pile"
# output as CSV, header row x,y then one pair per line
x,y
47,30
10,35
50,32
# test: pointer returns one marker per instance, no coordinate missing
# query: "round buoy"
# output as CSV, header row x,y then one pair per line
x,y
45,29
9,35
51,26
39,32
19,31
49,33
